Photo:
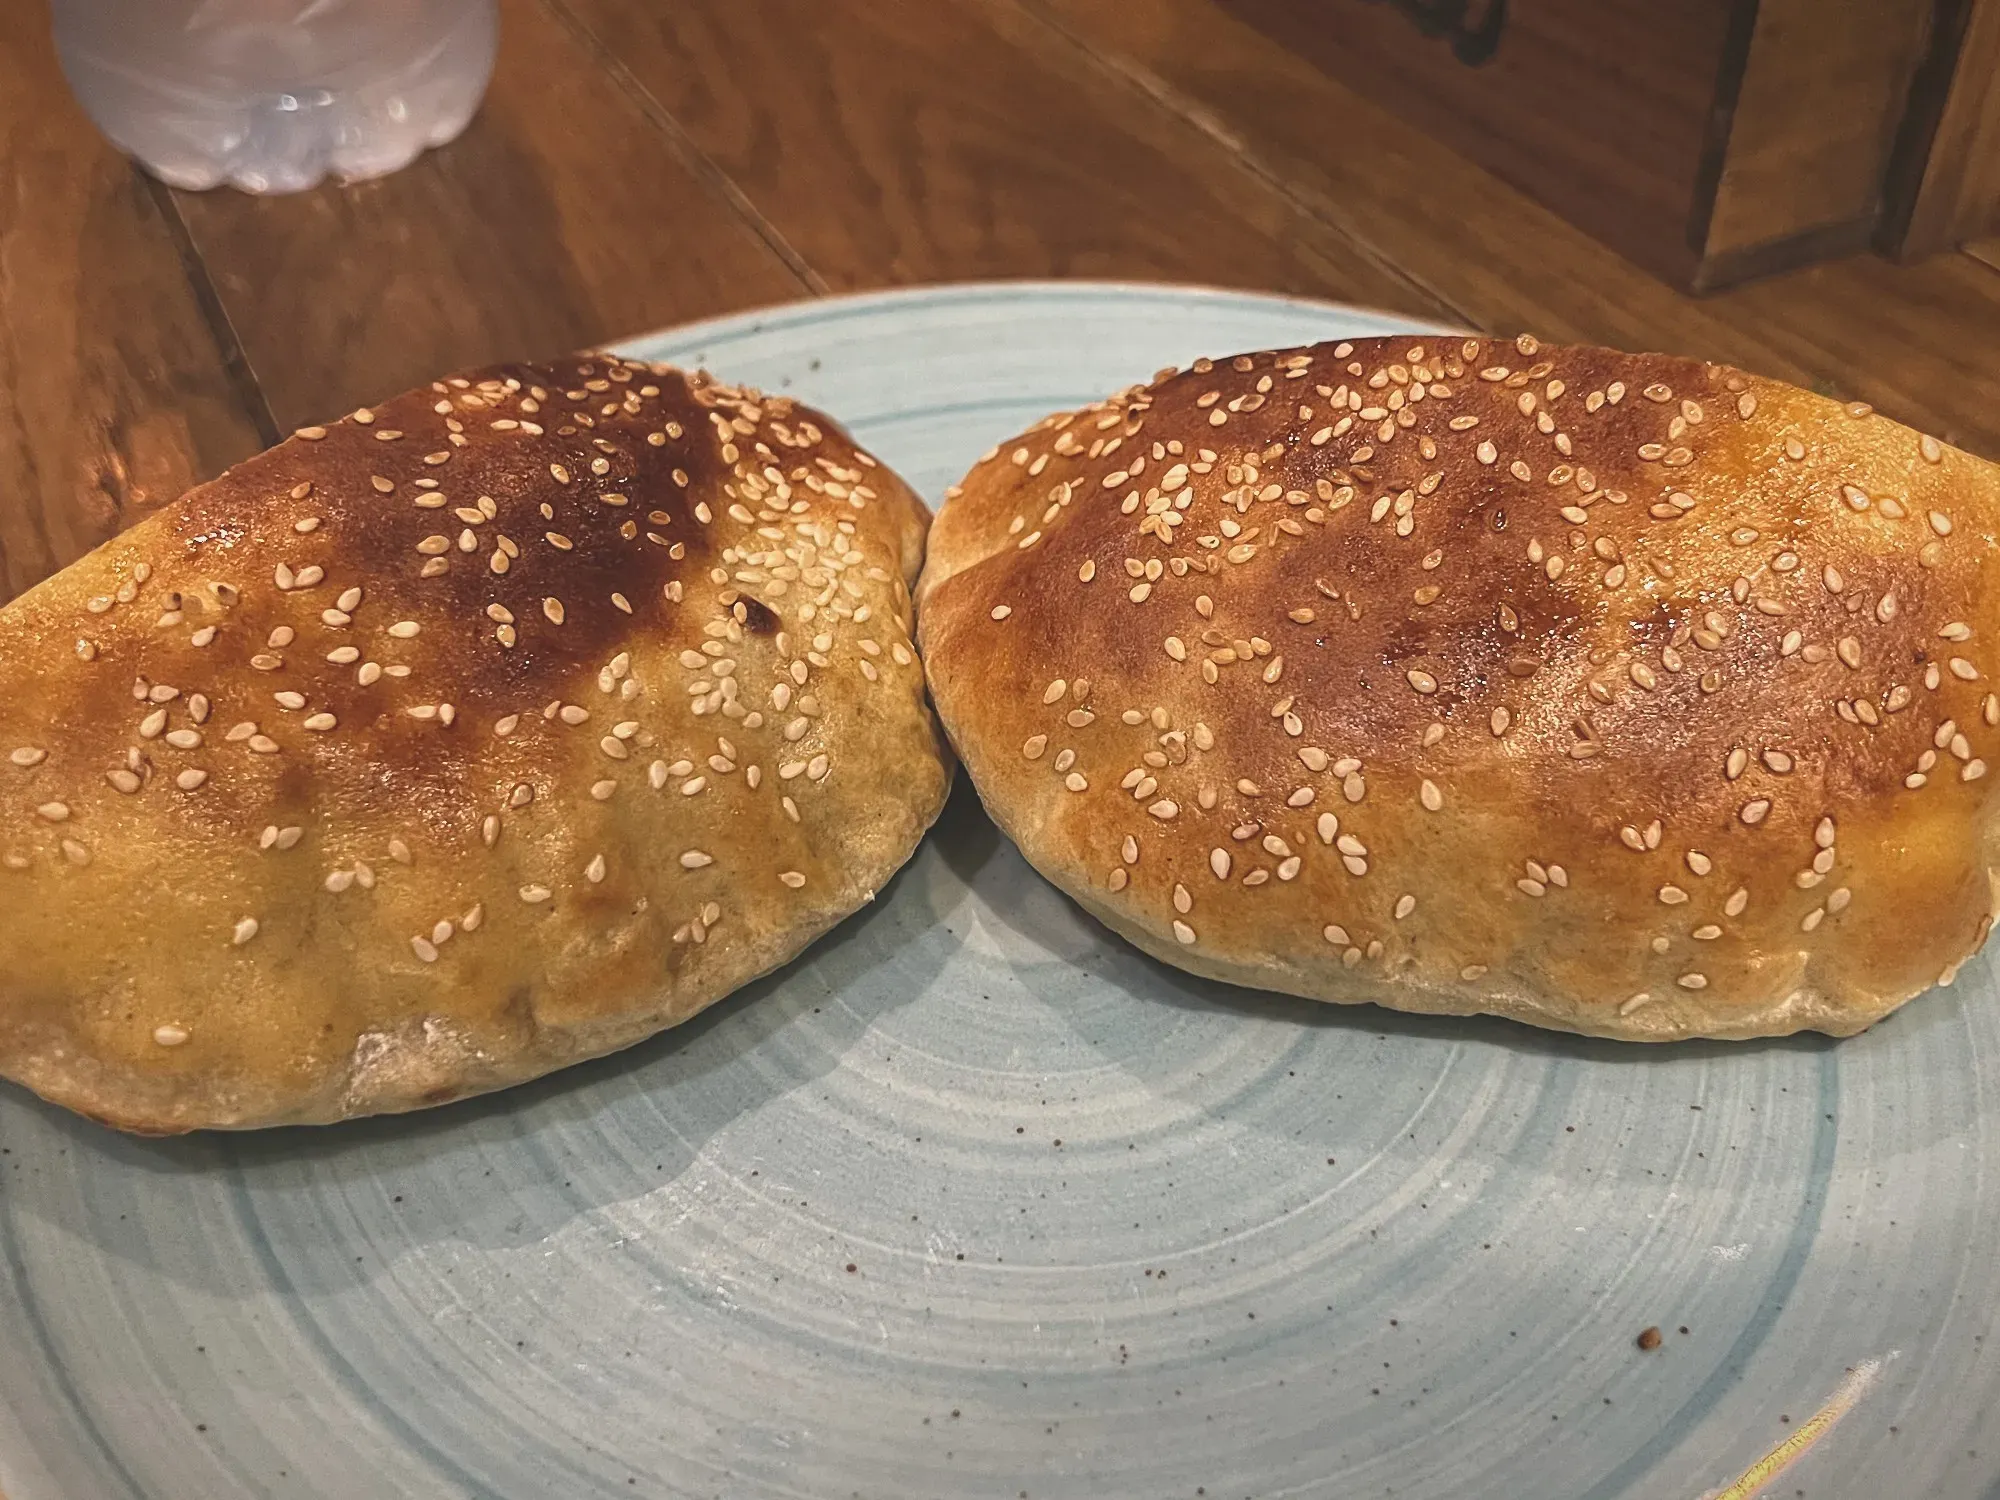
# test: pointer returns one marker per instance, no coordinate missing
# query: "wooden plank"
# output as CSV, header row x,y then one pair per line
x,y
1945,187
1599,109
946,140
565,217
113,392
1793,165
1985,251
1913,341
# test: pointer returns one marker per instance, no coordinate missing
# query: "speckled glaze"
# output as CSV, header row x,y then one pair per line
x,y
973,1200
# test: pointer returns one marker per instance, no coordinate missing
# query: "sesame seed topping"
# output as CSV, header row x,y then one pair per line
x,y
244,931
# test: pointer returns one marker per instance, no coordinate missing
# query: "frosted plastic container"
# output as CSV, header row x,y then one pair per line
x,y
273,95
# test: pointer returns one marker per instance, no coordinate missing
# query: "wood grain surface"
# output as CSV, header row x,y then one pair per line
x,y
113,392
563,218
639,164
958,140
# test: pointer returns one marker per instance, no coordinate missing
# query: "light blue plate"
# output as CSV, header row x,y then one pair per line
x,y
975,1201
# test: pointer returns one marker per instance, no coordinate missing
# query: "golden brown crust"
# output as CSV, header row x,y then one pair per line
x,y
1617,693
495,728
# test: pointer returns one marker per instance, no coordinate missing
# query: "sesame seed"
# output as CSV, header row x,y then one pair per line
x,y
170,1035
695,859
534,895
1182,932
1430,796
244,931
1755,810
595,870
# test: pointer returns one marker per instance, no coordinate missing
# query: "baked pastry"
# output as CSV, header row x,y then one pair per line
x,y
497,727
1618,693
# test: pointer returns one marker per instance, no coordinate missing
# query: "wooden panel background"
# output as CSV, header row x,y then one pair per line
x,y
1601,105
1945,184
1813,127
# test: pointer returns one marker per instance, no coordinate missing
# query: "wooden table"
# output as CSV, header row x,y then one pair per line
x,y
640,163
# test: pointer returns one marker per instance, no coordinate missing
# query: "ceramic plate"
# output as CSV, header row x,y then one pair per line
x,y
973,1200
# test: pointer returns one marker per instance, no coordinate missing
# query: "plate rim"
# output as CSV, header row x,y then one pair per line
x,y
860,303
